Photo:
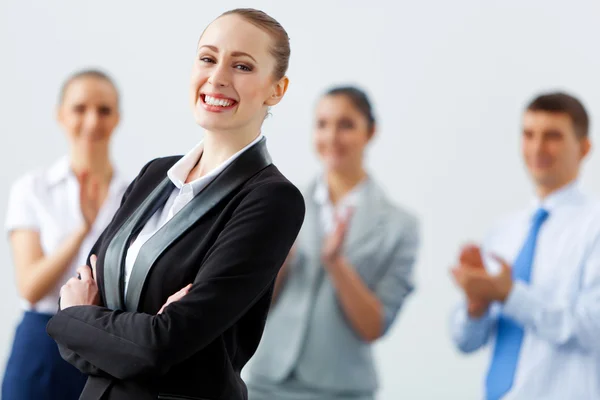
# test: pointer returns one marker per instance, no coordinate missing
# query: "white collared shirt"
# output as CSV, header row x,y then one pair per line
x,y
182,194
47,201
559,309
328,211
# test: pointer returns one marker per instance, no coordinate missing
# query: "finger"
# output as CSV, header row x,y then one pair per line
x,y
186,289
179,294
94,188
465,250
474,273
470,266
348,215
176,297
93,260
83,175
182,292
173,298
85,272
457,274
343,217
82,185
506,267
471,254
339,222
334,240
72,281
454,274
466,277
89,188
499,259
84,179
341,230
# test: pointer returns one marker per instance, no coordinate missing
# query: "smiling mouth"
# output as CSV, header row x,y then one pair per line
x,y
217,103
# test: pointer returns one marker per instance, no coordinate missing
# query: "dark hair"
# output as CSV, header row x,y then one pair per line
x,y
87,73
559,102
281,41
358,98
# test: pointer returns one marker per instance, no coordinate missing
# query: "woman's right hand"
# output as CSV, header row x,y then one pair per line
x,y
175,297
89,198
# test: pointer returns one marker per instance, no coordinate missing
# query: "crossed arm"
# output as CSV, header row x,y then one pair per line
x,y
128,344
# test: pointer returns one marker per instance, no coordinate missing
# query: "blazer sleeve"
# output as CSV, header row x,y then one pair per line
x,y
67,354
239,269
396,284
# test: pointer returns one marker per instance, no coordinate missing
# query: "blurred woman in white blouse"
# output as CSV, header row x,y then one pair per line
x,y
54,217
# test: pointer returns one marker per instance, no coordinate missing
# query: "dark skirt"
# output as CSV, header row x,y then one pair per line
x,y
35,369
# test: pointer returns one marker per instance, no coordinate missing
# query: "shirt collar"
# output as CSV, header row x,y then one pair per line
x,y
179,172
61,170
351,199
565,195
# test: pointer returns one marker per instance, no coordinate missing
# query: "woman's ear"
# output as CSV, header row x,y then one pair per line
x,y
278,92
372,131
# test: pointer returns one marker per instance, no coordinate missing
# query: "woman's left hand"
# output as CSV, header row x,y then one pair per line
x,y
81,292
332,249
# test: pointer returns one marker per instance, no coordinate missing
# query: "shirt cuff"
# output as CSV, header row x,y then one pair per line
x,y
472,324
388,319
520,304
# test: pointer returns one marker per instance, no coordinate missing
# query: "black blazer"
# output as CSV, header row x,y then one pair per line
x,y
229,241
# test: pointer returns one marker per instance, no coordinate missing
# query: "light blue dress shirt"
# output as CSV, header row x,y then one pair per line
x,y
560,308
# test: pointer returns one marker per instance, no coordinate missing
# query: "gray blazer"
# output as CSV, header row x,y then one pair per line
x,y
307,332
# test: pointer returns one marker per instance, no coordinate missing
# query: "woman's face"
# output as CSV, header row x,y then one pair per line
x,y
341,133
232,78
89,112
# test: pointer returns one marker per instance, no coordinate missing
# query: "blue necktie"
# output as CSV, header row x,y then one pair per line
x,y
510,334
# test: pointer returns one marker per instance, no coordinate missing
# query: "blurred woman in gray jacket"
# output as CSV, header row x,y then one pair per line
x,y
347,276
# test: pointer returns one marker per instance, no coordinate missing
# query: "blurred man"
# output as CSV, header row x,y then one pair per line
x,y
536,298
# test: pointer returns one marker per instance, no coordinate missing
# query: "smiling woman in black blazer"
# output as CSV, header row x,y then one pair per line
x,y
222,218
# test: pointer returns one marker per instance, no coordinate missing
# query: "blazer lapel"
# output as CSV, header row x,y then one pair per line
x,y
366,218
116,251
236,174
311,235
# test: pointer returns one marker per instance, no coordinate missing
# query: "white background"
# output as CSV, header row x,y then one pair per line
x,y
448,79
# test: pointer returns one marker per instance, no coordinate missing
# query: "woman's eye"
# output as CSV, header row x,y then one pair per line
x,y
243,67
105,110
207,59
344,124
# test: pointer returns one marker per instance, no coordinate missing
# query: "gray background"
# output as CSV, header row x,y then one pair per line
x,y
448,81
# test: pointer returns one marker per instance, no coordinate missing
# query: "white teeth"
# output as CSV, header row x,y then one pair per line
x,y
217,102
